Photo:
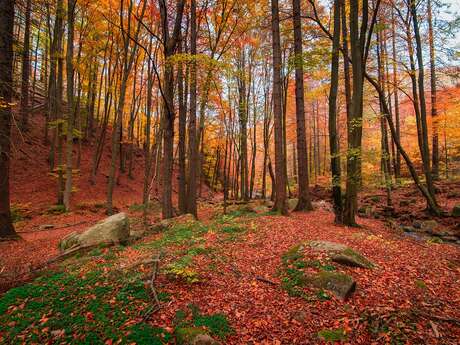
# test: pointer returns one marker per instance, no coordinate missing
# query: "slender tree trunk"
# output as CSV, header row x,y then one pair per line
x,y
170,44
192,130
182,98
434,110
25,70
280,160
70,98
304,203
423,112
333,137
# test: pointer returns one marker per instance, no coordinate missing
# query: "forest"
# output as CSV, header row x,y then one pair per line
x,y
229,172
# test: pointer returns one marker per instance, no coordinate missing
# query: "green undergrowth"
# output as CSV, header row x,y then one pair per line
x,y
332,335
191,321
90,299
79,308
295,280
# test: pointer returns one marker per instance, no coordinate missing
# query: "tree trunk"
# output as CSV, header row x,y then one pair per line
x,y
280,160
304,203
6,96
333,137
25,70
434,110
70,98
192,130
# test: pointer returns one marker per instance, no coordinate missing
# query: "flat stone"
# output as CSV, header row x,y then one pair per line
x,y
340,284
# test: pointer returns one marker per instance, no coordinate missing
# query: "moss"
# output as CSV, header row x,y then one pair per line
x,y
186,334
332,335
55,209
420,284
357,257
293,254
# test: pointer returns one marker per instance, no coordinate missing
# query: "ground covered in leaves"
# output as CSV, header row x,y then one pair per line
x,y
227,276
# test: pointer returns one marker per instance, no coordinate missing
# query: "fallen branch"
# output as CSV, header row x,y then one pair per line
x,y
441,318
157,306
267,281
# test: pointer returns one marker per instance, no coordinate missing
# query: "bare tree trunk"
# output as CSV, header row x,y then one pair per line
x,y
182,98
333,137
304,200
280,160
434,110
6,96
70,100
25,70
421,86
170,44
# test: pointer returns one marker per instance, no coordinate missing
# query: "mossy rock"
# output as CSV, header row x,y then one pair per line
x,y
341,254
340,284
193,336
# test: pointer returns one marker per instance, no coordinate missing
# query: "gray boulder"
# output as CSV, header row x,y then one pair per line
x,y
341,254
114,229
340,284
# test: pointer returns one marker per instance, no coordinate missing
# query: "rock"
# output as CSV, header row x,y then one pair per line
x,y
114,229
292,203
323,205
203,339
340,284
341,254
456,211
46,226
193,336
429,225
349,257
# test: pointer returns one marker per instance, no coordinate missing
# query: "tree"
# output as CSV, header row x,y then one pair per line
x,y
6,98
170,41
25,69
333,136
434,110
192,131
280,159
304,202
70,101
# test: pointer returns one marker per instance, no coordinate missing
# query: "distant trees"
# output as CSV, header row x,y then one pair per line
x,y
258,115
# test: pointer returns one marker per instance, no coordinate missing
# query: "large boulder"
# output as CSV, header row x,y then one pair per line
x,y
112,230
341,254
340,284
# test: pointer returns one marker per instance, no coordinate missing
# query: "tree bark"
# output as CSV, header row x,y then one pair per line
x,y
333,137
304,200
25,70
280,160
6,98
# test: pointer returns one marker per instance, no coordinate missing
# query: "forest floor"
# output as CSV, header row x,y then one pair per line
x,y
228,275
